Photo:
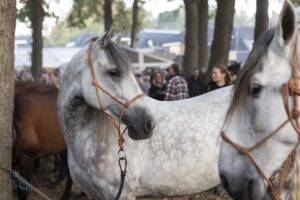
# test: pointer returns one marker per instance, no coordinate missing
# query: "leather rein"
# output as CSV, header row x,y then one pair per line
x,y
122,162
291,88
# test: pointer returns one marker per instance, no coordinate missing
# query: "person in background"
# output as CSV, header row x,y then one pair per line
x,y
16,75
177,87
202,77
55,78
234,70
220,78
45,77
158,86
194,83
146,81
144,87
26,75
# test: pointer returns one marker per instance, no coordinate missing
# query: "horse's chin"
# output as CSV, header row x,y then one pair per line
x,y
133,134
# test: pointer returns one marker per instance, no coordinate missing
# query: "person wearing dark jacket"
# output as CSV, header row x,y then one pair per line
x,y
194,83
158,87
220,78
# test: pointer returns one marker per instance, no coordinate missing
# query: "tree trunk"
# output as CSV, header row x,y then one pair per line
x,y
37,18
261,18
134,26
203,23
108,19
190,57
222,34
7,33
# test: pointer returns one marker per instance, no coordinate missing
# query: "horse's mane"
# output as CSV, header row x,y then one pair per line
x,y
296,183
251,66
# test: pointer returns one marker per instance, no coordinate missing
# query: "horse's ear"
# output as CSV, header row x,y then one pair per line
x,y
286,28
103,41
117,37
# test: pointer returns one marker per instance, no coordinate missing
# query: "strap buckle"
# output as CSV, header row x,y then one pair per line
x,y
122,161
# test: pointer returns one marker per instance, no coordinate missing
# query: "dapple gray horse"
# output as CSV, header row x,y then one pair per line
x,y
259,139
179,159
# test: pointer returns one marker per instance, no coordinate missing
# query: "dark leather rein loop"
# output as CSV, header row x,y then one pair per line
x,y
292,88
122,161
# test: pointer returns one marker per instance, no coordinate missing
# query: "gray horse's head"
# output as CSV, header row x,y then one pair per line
x,y
256,110
113,74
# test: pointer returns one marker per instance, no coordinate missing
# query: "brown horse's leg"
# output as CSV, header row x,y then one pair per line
x,y
63,166
67,192
56,162
25,169
36,164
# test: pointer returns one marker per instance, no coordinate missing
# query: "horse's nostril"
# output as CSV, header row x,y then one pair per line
x,y
149,126
224,182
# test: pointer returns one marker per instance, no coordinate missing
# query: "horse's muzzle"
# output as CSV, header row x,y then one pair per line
x,y
141,126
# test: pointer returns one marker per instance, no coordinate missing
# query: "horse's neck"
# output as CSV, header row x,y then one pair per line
x,y
202,105
86,129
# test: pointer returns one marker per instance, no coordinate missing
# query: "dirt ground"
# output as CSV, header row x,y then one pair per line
x,y
44,178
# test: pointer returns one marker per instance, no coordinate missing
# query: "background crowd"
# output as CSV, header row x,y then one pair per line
x,y
171,84
49,77
163,85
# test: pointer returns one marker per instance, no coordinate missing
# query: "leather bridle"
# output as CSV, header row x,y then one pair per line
x,y
115,122
292,88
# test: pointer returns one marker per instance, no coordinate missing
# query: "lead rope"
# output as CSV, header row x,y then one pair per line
x,y
122,161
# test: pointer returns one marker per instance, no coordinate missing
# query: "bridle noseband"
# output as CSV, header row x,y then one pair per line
x,y
292,88
122,162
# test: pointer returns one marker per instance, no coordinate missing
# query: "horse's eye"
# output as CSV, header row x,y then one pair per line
x,y
255,90
114,73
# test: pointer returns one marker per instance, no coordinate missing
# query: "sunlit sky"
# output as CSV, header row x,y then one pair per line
x,y
61,8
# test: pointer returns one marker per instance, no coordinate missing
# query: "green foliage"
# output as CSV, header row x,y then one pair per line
x,y
62,33
144,19
122,16
297,2
25,12
91,11
242,19
84,11
174,19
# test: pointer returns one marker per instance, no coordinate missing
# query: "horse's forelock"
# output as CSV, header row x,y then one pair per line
x,y
119,56
251,66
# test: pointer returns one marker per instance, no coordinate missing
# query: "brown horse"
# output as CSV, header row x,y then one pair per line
x,y
37,127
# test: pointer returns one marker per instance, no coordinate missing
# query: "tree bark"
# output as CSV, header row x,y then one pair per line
x,y
37,18
108,19
134,26
7,33
190,57
261,18
222,34
203,28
